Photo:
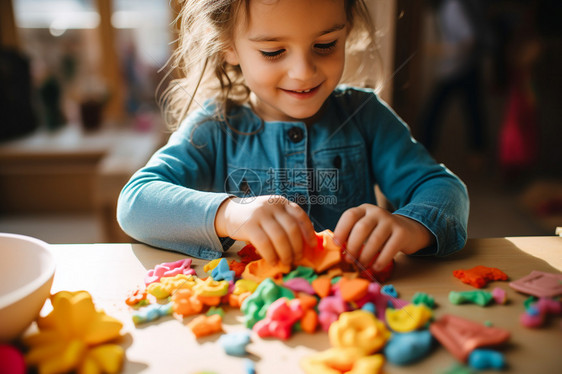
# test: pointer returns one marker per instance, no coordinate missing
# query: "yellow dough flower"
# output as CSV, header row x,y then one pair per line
x,y
75,337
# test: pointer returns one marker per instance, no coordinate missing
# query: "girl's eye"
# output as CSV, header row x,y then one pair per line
x,y
273,55
325,48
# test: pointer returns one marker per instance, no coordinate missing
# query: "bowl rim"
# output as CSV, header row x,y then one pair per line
x,y
15,295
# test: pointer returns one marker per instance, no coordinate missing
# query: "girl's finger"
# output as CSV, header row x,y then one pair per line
x,y
293,231
264,247
279,239
387,253
305,225
359,235
345,225
375,243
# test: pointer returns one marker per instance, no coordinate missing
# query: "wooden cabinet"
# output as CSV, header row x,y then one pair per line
x,y
72,172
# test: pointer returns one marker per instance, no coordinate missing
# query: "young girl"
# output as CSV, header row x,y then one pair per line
x,y
280,150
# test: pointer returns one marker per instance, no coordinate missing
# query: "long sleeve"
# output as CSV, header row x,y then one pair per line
x,y
167,203
417,186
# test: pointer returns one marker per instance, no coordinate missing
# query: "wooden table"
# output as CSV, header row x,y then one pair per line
x,y
110,271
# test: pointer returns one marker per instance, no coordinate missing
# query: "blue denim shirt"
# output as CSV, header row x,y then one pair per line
x,y
327,167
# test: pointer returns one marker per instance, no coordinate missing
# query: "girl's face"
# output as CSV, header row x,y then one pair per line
x,y
292,55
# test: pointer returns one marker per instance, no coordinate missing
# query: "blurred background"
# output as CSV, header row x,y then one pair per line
x,y
479,83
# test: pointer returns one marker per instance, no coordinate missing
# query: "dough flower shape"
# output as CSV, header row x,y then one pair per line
x,y
75,337
359,329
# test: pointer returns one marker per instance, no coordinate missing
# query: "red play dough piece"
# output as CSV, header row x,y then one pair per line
x,y
479,276
461,336
11,360
248,254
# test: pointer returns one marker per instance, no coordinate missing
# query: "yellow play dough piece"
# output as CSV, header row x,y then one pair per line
x,y
244,285
332,361
360,329
209,266
168,285
368,365
74,337
409,318
210,287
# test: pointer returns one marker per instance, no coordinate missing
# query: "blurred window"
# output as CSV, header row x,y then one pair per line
x,y
63,41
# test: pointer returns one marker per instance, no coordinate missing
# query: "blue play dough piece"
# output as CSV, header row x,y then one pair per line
x,y
388,289
222,271
406,348
249,366
483,359
234,344
152,312
369,307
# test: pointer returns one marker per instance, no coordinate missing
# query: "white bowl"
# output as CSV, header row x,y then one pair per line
x,y
27,268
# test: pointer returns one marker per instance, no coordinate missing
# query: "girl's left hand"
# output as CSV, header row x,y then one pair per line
x,y
368,230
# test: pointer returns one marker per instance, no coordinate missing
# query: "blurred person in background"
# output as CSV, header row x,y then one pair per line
x,y
462,36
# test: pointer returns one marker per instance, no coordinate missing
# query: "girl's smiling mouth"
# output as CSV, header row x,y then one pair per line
x,y
302,94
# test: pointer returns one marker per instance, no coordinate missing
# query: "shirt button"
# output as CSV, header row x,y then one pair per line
x,y
296,134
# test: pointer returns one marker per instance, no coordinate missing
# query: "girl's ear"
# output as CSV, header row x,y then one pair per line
x,y
231,56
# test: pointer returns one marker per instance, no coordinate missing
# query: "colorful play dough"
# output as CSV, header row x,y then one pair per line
x,y
169,269
352,289
535,313
260,270
211,287
206,325
281,315
222,271
423,298
244,285
299,285
255,306
540,284
165,286
234,343
152,312
186,303
486,359
359,329
137,298
406,348
11,360
75,337
301,272
461,336
388,289
479,276
329,310
326,254
479,297
409,318
342,360
499,295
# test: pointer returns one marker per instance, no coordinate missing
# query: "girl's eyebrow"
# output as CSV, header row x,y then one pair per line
x,y
266,38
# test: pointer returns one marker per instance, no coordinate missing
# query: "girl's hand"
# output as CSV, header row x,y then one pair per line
x,y
277,227
369,229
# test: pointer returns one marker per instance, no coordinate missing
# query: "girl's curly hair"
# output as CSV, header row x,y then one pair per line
x,y
197,68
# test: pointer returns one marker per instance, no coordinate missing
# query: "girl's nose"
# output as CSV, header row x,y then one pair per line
x,y
302,67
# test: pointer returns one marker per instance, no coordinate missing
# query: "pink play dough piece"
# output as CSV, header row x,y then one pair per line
x,y
539,283
169,269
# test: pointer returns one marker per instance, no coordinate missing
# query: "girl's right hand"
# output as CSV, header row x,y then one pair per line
x,y
278,228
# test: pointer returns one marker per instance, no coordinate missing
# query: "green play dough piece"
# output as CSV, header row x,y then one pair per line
x,y
423,298
481,298
255,306
302,272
